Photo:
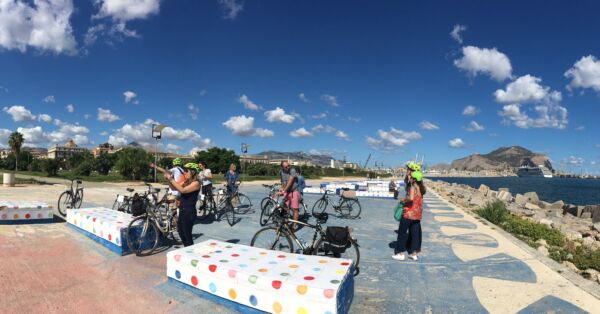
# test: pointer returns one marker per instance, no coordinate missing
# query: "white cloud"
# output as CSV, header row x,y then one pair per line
x,y
44,117
130,97
474,127
4,134
263,132
321,115
353,119
548,116
585,73
142,133
455,33
43,25
35,135
526,88
70,108
244,126
470,111
484,61
19,113
330,99
301,132
49,98
232,8
193,111
279,115
303,98
392,140
173,148
456,143
342,135
248,104
105,115
574,160
323,128
426,125
87,116
104,133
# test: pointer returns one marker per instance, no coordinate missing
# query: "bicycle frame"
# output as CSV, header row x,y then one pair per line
x,y
283,225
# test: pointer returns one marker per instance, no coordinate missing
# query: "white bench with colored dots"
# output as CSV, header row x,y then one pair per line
x,y
25,212
252,279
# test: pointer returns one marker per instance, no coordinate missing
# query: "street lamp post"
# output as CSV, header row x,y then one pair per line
x,y
156,134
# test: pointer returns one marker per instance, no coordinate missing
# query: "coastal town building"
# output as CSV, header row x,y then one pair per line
x,y
254,159
104,148
62,152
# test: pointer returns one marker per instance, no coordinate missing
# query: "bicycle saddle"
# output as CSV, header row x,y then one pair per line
x,y
130,190
321,217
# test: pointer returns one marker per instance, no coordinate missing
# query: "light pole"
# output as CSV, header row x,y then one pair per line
x,y
244,152
156,134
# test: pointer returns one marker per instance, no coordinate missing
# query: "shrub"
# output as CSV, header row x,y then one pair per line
x,y
494,212
585,258
84,169
50,166
534,231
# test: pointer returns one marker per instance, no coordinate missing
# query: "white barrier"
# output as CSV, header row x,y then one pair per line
x,y
24,212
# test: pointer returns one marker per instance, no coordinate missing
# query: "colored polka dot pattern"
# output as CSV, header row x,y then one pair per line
x,y
24,210
105,223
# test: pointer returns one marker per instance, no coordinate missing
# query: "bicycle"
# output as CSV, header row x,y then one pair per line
x,y
240,202
269,203
123,202
206,206
143,232
225,206
347,207
280,237
70,198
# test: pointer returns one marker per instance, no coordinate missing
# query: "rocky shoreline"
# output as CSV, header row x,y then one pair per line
x,y
580,225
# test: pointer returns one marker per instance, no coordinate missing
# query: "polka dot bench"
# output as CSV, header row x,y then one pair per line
x,y
23,212
251,279
103,225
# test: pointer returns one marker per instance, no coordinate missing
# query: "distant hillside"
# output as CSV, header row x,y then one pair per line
x,y
500,159
320,160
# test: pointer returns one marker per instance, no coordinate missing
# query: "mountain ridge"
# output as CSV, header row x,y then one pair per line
x,y
502,158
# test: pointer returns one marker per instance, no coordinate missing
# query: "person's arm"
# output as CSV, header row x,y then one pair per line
x,y
194,186
411,195
159,169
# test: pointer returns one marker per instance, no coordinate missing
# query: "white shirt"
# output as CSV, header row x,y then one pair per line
x,y
176,172
204,174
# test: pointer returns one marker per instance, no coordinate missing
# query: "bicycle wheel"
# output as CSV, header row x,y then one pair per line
x,y
229,214
271,238
319,207
142,236
65,201
350,208
264,201
266,212
116,205
241,203
78,199
351,253
207,210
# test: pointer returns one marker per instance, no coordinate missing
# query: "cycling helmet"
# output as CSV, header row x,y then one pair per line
x,y
417,175
192,165
177,162
413,166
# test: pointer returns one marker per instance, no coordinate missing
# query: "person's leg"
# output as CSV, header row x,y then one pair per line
x,y
416,236
190,227
295,204
180,226
402,236
188,224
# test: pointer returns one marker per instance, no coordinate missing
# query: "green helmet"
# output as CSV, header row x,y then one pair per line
x,y
413,166
417,175
192,165
177,162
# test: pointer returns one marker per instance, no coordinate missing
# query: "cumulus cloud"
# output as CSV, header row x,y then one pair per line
x,y
45,117
585,73
548,116
477,61
142,133
49,98
330,99
70,108
474,127
231,8
130,97
301,132
470,111
244,126
323,128
173,148
342,135
526,88
393,139
19,113
4,134
574,160
455,33
426,125
456,143
248,104
303,98
193,111
36,135
279,115
42,25
105,115
321,115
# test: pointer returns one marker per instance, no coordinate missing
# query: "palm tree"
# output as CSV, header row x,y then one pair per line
x,y
15,141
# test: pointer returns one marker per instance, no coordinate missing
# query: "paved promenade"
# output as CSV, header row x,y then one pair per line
x,y
466,266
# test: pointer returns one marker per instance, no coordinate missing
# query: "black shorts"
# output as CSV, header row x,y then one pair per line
x,y
207,189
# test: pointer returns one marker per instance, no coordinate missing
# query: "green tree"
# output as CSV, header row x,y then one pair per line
x,y
166,163
84,169
36,165
218,159
104,163
133,163
77,158
15,141
50,166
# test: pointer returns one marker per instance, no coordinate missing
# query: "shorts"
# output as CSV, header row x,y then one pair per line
x,y
292,199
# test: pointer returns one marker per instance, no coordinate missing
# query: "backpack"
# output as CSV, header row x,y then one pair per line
x,y
338,239
301,183
138,205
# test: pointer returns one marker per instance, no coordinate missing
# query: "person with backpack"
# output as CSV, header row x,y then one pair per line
x,y
188,190
289,189
409,232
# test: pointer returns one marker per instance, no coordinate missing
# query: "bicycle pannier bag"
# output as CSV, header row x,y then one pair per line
x,y
348,194
138,205
337,239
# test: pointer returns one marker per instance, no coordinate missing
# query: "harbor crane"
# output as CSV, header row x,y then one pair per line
x,y
367,162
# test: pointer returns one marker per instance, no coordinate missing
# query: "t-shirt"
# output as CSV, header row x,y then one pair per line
x,y
204,174
286,176
231,178
177,174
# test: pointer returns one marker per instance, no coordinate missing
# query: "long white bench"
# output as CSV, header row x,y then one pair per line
x,y
250,279
103,225
25,212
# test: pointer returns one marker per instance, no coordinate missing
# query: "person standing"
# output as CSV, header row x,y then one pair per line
x,y
393,188
189,190
177,173
289,189
231,179
206,179
409,232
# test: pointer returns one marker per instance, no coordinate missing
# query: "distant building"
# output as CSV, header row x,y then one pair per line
x,y
66,151
254,159
351,165
105,148
36,152
4,153
293,162
150,150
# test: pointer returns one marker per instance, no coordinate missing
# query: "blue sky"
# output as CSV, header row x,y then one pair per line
x,y
350,78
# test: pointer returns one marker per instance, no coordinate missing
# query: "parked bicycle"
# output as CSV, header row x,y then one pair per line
x,y
269,203
331,242
347,205
123,202
71,198
207,206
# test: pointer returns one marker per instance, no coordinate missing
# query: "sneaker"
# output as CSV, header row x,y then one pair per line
x,y
413,257
399,257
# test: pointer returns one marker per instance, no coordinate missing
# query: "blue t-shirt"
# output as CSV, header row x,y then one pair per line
x,y
231,180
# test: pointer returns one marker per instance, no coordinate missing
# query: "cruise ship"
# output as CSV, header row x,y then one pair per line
x,y
528,169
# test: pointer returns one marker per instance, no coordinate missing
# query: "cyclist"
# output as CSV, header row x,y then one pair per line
x,y
231,178
189,190
206,179
289,189
177,173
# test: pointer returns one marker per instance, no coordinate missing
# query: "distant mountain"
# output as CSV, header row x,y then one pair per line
x,y
320,160
501,159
